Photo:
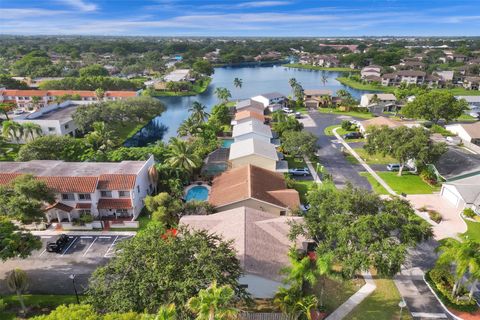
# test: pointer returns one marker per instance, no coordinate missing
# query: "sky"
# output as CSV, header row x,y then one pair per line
x,y
312,18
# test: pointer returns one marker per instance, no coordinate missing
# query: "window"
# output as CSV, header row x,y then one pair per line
x,y
106,194
138,189
84,196
283,213
124,194
84,211
122,211
66,126
51,129
68,196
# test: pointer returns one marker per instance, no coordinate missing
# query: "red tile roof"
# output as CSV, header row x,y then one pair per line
x,y
105,203
116,181
6,178
245,114
83,206
82,93
71,184
60,206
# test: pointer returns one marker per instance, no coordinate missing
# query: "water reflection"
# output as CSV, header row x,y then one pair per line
x,y
153,131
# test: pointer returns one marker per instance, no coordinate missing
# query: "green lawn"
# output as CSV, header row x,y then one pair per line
x,y
408,183
123,132
467,117
382,304
310,67
337,291
363,86
36,303
303,186
377,187
295,162
9,151
473,231
356,114
198,87
374,158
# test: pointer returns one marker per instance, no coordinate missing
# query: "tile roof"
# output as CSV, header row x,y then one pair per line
x,y
71,184
259,238
251,126
246,114
249,147
108,203
59,206
83,206
116,181
5,178
317,92
250,104
381,121
82,93
252,182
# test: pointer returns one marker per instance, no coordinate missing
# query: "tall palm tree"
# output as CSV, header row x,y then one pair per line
x,y
306,304
101,138
214,303
324,78
180,155
12,130
31,130
198,112
189,127
223,94
293,83
166,313
99,93
238,83
17,281
298,91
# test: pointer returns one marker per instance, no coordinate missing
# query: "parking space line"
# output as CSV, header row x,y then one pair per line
x,y
74,240
86,237
45,237
110,248
86,251
102,237
44,250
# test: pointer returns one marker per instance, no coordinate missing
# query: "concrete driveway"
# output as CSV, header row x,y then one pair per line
x,y
451,225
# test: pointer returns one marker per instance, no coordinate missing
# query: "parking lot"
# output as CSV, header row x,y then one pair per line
x,y
49,272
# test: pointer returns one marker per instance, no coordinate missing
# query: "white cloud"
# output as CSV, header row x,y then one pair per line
x,y
262,4
80,5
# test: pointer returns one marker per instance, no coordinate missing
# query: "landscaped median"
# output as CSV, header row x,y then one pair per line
x,y
408,183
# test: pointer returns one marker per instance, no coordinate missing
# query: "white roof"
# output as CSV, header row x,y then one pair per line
x,y
251,126
469,99
249,147
271,95
249,103
177,75
381,96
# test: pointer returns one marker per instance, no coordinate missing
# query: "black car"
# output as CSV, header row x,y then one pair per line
x,y
59,244
352,135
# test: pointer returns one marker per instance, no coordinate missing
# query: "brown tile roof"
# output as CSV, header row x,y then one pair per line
x,y
60,206
6,178
252,182
380,121
116,181
246,114
473,129
107,203
411,73
71,184
83,206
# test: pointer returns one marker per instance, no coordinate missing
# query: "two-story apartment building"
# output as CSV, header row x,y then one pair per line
x,y
273,100
252,129
101,189
406,76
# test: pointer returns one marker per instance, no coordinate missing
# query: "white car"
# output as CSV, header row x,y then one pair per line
x,y
287,110
18,111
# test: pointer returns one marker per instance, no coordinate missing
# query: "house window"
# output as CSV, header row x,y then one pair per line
x,y
84,211
106,194
51,129
138,189
68,196
122,211
66,126
283,213
84,196
124,194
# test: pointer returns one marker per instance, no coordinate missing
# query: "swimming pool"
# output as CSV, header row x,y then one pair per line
x,y
226,143
198,193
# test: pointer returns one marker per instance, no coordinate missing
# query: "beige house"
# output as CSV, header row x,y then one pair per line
x,y
379,121
250,105
253,187
253,151
315,98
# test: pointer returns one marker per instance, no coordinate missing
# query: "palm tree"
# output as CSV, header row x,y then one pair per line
x,y
293,83
324,78
286,299
31,130
100,93
214,303
101,138
166,313
17,281
36,101
12,130
306,304
238,83
189,127
5,108
180,155
223,94
198,112
298,92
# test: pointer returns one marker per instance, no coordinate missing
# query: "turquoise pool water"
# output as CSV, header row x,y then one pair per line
x,y
199,193
226,143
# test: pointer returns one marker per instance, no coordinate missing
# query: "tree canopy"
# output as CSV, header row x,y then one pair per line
x,y
93,70
52,147
299,143
15,243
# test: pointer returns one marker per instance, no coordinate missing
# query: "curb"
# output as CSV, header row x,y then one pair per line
x,y
441,303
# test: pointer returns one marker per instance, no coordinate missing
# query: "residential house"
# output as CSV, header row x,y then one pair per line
x,y
247,115
101,189
379,102
252,129
254,187
445,76
23,98
370,71
409,64
273,100
457,163
473,104
456,57
379,121
327,61
250,105
351,47
253,151
406,76
471,83
463,193
469,133
178,76
314,98
260,240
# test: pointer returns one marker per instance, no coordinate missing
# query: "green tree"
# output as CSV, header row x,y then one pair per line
x,y
221,113
181,156
214,303
5,108
198,112
52,147
306,304
223,94
299,143
434,106
6,81
101,138
293,84
289,124
286,299
17,281
36,101
178,267
12,130
99,93
93,70
31,130
403,144
238,83
168,312
15,243
189,127
164,208
203,67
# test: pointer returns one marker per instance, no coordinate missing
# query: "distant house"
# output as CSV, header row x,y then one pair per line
x,y
379,102
471,83
379,121
252,129
247,115
253,151
328,61
412,65
260,240
254,187
351,47
315,98
456,57
445,76
370,71
273,100
250,105
469,133
178,76
463,193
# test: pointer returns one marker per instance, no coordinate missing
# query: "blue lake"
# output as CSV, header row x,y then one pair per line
x,y
256,80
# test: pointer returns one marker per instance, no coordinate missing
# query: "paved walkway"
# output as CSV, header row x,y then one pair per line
x,y
313,170
347,307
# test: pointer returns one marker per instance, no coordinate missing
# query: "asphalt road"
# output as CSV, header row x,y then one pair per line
x,y
330,153
49,272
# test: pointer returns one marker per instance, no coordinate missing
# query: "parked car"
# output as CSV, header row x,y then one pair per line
x,y
59,244
298,115
299,172
352,135
18,111
287,110
455,141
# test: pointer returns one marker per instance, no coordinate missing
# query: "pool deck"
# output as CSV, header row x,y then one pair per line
x,y
195,184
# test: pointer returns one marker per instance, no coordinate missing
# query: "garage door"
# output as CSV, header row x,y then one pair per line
x,y
450,196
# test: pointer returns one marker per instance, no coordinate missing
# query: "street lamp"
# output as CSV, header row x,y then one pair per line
x,y
402,304
72,276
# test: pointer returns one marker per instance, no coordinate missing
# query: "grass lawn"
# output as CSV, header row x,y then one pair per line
x,y
473,231
123,132
329,130
356,114
35,303
408,183
337,291
382,304
197,88
303,186
9,151
310,67
295,162
361,86
377,187
467,117
374,158
351,159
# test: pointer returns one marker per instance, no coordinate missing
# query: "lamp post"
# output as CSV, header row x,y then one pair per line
x,y
402,304
72,276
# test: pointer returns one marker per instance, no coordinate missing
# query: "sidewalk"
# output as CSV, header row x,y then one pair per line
x,y
313,171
